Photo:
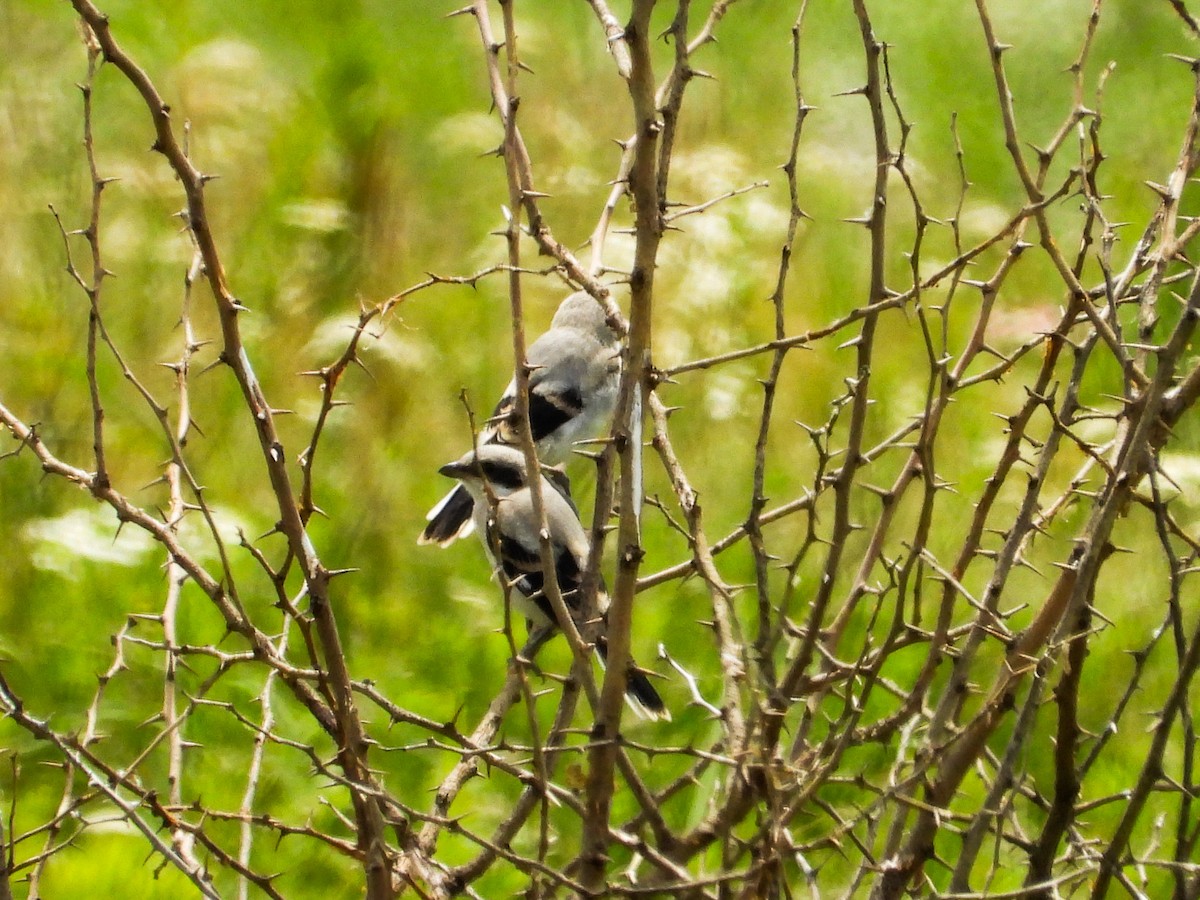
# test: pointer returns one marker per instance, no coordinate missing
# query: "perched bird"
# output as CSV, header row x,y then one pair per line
x,y
509,530
575,368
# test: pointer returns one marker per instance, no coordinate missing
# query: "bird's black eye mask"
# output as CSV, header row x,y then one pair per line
x,y
502,475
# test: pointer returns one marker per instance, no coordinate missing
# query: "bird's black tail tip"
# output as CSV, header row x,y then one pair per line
x,y
644,699
449,520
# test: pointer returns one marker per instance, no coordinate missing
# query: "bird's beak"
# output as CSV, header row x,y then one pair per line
x,y
453,469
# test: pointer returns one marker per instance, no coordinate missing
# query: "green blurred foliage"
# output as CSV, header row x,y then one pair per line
x,y
352,147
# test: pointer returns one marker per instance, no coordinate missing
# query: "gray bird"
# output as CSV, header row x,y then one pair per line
x,y
510,536
575,369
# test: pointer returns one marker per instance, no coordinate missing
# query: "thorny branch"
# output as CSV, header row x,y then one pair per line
x,y
906,674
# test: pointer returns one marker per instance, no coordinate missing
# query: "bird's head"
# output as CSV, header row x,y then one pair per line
x,y
498,465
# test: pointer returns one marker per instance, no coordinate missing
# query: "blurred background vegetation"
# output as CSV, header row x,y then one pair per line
x,y
352,143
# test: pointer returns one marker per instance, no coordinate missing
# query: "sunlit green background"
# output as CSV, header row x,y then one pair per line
x,y
352,143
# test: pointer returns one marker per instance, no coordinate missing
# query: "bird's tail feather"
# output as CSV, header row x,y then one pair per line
x,y
640,694
643,699
450,519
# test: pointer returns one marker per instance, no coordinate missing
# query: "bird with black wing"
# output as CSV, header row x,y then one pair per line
x,y
495,477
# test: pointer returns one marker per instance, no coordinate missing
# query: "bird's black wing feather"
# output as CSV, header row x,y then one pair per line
x,y
548,411
522,568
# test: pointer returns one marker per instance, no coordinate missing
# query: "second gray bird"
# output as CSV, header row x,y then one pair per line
x,y
495,479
